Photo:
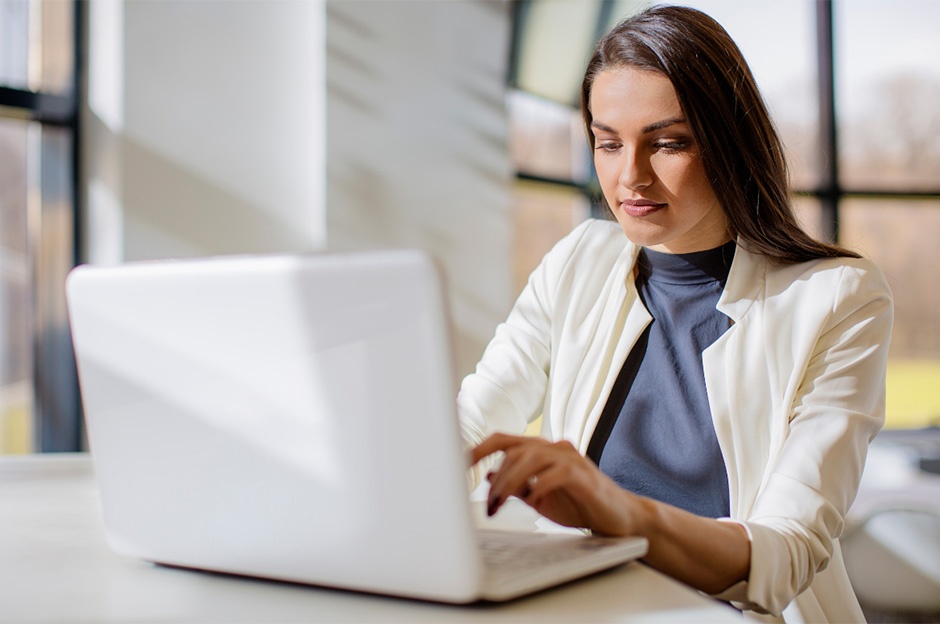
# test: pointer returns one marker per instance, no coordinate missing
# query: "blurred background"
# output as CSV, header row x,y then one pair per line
x,y
173,128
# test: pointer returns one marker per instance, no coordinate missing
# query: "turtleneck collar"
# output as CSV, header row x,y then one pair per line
x,y
700,267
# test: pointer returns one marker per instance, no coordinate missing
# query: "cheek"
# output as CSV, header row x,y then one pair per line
x,y
607,174
682,176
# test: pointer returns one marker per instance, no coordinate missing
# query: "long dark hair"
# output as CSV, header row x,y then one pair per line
x,y
741,151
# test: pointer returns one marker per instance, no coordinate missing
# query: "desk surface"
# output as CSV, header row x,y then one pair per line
x,y
55,566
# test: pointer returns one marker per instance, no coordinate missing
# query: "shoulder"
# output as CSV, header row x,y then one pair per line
x,y
828,289
839,278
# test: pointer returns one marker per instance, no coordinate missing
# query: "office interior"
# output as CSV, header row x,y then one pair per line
x,y
145,129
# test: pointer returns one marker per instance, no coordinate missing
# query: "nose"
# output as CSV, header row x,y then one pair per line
x,y
636,172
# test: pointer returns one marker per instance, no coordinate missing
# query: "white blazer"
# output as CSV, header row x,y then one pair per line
x,y
795,387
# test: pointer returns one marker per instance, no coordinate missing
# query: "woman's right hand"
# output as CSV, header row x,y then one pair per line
x,y
559,483
566,487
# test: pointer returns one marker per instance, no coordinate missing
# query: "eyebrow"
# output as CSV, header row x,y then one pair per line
x,y
659,125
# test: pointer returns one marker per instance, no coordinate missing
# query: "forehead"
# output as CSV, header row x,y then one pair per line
x,y
628,95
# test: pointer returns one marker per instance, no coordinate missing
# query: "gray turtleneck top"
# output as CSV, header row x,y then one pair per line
x,y
655,436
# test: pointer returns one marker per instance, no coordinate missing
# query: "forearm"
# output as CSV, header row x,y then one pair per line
x,y
702,552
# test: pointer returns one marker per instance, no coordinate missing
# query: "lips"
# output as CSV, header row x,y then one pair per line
x,y
640,207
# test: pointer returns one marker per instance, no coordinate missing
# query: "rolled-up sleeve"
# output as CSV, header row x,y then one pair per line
x,y
813,476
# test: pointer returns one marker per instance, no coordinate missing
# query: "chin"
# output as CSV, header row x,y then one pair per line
x,y
644,238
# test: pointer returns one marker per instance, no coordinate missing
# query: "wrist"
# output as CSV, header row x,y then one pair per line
x,y
646,517
632,515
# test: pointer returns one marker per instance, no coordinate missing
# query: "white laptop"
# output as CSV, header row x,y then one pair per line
x,y
292,417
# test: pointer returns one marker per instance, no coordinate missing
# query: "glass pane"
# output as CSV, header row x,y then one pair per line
x,y
547,139
887,93
58,46
544,213
808,213
901,237
555,42
778,40
14,43
16,385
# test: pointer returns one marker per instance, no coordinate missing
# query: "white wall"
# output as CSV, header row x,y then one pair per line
x,y
205,128
218,127
417,145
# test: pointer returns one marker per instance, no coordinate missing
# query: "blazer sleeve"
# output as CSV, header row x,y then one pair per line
x,y
812,479
507,390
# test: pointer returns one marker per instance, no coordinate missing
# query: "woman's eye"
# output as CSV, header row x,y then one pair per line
x,y
671,146
608,147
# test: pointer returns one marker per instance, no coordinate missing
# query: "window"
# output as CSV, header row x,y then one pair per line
x,y
889,179
863,146
38,123
545,144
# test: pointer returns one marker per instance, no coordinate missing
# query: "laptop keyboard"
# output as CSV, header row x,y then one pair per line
x,y
517,563
511,550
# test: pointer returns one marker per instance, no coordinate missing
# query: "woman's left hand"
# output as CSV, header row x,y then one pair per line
x,y
559,483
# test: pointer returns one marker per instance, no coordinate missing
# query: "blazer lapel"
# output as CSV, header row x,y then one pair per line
x,y
738,391
632,318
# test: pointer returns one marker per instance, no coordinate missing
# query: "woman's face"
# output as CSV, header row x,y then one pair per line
x,y
649,166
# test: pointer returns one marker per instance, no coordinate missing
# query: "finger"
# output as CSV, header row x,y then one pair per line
x,y
526,456
511,477
494,443
556,477
571,493
521,467
558,494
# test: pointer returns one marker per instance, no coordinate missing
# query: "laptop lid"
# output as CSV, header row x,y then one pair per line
x,y
290,417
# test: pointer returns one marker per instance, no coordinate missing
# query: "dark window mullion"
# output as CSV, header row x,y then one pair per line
x,y
830,191
844,193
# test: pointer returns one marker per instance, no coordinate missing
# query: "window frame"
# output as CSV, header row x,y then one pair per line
x,y
57,418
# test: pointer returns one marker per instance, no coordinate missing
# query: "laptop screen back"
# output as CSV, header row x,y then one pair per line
x,y
288,417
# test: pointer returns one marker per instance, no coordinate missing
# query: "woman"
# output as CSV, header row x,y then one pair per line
x,y
723,371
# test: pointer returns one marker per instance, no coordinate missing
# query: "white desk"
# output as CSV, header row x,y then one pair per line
x,y
55,566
